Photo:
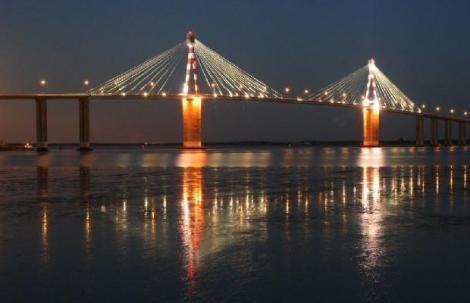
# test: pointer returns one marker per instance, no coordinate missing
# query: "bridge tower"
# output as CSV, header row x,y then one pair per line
x,y
371,111
191,102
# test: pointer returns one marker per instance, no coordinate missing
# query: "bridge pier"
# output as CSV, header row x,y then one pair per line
x,y
419,130
462,133
371,126
448,132
434,132
84,123
192,127
41,124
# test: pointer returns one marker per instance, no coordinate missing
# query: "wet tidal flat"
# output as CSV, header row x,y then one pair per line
x,y
236,224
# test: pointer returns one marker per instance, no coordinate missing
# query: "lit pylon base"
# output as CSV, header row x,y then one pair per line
x,y
192,127
371,126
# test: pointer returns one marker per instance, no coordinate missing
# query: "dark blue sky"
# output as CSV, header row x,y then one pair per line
x,y
422,46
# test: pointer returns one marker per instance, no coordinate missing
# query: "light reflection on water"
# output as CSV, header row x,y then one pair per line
x,y
238,219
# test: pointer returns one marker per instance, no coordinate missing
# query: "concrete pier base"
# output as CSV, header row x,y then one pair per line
x,y
41,124
192,127
84,123
419,130
434,132
448,132
371,126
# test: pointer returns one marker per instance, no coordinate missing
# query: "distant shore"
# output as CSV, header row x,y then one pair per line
x,y
15,146
22,146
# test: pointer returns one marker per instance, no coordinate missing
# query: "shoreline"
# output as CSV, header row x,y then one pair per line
x,y
395,143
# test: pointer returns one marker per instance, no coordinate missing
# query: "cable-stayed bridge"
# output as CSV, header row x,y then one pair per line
x,y
193,73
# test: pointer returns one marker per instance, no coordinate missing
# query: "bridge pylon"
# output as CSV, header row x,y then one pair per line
x,y
192,122
191,102
371,111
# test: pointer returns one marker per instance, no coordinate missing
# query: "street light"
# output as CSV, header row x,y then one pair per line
x,y
287,90
438,108
86,82
43,82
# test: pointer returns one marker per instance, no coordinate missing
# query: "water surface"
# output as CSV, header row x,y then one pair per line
x,y
235,224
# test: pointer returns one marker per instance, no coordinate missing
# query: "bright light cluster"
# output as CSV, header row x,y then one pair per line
x,y
168,73
148,78
366,85
226,79
171,72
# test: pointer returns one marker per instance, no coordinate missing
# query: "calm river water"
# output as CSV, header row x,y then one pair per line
x,y
267,224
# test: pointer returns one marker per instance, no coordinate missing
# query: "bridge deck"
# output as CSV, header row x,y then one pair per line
x,y
172,97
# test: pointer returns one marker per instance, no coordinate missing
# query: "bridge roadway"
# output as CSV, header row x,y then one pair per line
x,y
85,98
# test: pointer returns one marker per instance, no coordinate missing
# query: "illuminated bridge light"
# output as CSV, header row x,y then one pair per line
x,y
86,82
438,108
220,76
223,78
369,83
43,82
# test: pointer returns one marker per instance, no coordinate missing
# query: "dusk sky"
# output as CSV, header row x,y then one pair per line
x,y
422,46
